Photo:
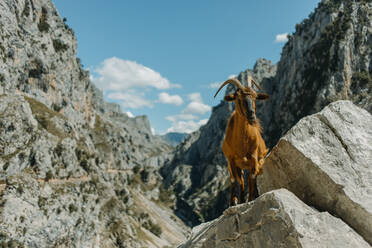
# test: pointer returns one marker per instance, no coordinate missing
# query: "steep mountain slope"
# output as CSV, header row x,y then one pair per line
x,y
74,170
328,58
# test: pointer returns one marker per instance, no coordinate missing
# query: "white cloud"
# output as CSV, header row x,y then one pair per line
x,y
186,126
187,121
174,118
231,76
195,97
127,81
117,74
130,114
280,38
131,99
197,108
169,99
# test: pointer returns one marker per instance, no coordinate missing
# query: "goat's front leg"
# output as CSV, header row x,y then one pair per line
x,y
233,176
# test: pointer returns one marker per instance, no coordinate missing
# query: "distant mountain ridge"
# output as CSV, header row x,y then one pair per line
x,y
173,138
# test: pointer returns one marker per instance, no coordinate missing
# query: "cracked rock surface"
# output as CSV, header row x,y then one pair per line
x,y
276,219
325,159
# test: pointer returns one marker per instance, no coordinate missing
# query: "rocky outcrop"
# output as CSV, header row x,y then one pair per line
x,y
328,58
325,159
74,170
197,172
315,189
276,219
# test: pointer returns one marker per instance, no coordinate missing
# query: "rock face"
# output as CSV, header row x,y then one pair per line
x,y
325,159
276,219
197,173
328,58
74,170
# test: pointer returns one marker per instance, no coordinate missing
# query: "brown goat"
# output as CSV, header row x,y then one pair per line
x,y
243,145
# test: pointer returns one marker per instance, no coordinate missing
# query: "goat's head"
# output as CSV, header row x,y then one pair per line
x,y
244,97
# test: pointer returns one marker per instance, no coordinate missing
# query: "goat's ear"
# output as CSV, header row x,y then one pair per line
x,y
229,98
262,96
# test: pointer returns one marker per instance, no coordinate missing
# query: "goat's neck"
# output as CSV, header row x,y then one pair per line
x,y
246,130
243,121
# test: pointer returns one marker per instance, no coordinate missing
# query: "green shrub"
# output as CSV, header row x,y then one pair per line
x,y
20,189
58,149
41,202
361,80
136,169
59,46
6,165
56,107
145,176
26,9
48,175
152,227
165,195
43,24
72,208
84,164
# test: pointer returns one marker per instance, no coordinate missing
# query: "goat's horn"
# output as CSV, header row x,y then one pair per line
x,y
257,85
232,81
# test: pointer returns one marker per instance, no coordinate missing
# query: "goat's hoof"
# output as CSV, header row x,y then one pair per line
x,y
235,201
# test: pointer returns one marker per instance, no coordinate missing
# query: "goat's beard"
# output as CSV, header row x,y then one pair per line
x,y
251,119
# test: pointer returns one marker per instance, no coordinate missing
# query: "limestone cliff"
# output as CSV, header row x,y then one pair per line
x,y
74,170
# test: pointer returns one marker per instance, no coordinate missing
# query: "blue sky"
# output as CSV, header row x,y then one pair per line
x,y
164,58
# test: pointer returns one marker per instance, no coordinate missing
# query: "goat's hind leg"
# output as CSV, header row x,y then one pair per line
x,y
240,177
252,187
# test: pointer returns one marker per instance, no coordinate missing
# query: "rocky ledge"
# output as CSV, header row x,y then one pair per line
x,y
276,219
316,189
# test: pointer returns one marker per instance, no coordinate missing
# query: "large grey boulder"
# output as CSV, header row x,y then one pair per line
x,y
276,219
326,160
